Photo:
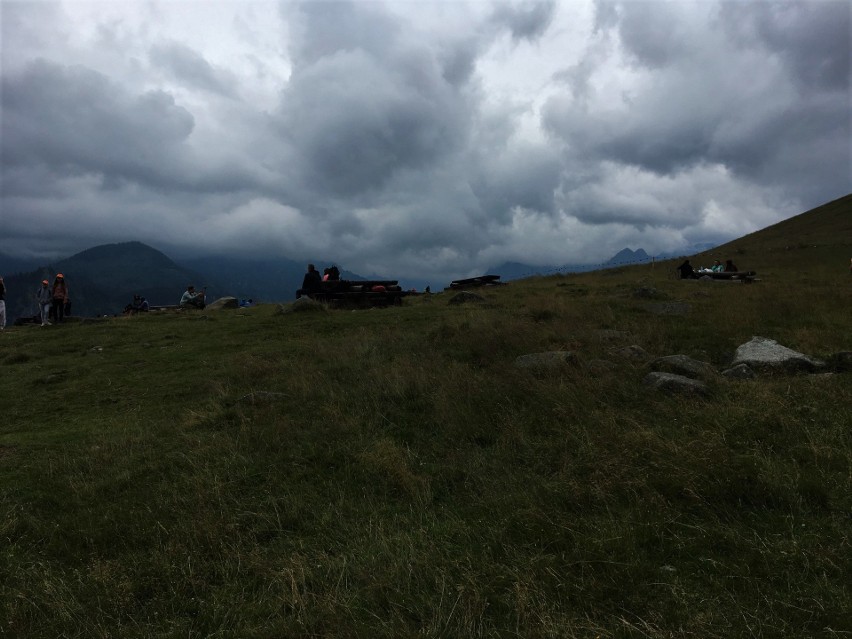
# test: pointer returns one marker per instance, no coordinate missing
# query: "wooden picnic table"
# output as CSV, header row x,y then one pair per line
x,y
747,277
474,282
360,293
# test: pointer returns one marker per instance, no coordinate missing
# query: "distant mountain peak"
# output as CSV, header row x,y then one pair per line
x,y
628,256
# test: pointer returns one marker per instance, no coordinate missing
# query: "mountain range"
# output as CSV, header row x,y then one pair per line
x,y
104,279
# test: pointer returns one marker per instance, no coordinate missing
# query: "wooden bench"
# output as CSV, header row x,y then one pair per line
x,y
746,277
360,293
475,282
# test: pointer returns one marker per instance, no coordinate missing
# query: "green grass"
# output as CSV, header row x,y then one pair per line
x,y
389,473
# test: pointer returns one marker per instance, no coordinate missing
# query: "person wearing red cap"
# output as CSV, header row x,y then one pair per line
x,y
44,297
59,297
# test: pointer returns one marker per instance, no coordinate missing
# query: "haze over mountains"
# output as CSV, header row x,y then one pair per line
x,y
103,279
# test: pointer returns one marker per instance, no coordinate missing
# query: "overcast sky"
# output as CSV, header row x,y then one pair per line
x,y
418,138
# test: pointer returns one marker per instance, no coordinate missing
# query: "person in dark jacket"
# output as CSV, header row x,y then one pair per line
x,y
730,267
686,271
60,297
311,282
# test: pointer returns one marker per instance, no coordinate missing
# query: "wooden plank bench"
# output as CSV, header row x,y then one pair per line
x,y
746,277
360,293
474,282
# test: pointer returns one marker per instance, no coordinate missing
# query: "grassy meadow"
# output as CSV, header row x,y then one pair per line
x,y
390,473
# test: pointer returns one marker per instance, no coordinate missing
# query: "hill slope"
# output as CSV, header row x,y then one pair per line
x,y
395,473
819,239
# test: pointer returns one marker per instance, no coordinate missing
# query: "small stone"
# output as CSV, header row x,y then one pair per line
x,y
671,383
223,303
683,365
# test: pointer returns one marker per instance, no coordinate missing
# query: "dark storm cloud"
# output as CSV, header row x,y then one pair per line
x,y
191,69
76,120
649,33
524,177
717,98
364,103
812,39
322,29
525,21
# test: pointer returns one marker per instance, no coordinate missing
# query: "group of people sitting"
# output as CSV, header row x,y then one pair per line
x,y
312,282
138,305
687,272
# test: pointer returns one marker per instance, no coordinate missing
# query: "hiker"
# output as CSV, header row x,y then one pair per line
x,y
2,304
191,299
717,267
44,296
311,282
143,305
686,271
730,267
333,273
59,297
326,274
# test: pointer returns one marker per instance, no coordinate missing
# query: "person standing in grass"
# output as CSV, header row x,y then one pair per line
x,y
44,297
2,304
59,296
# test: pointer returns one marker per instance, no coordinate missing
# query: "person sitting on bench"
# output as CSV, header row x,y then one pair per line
x,y
730,267
311,282
686,271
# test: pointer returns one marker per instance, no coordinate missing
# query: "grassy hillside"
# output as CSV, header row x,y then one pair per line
x,y
390,473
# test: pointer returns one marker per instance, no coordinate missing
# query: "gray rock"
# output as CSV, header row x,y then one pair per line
x,y
683,365
222,303
767,354
740,371
465,297
550,359
671,383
